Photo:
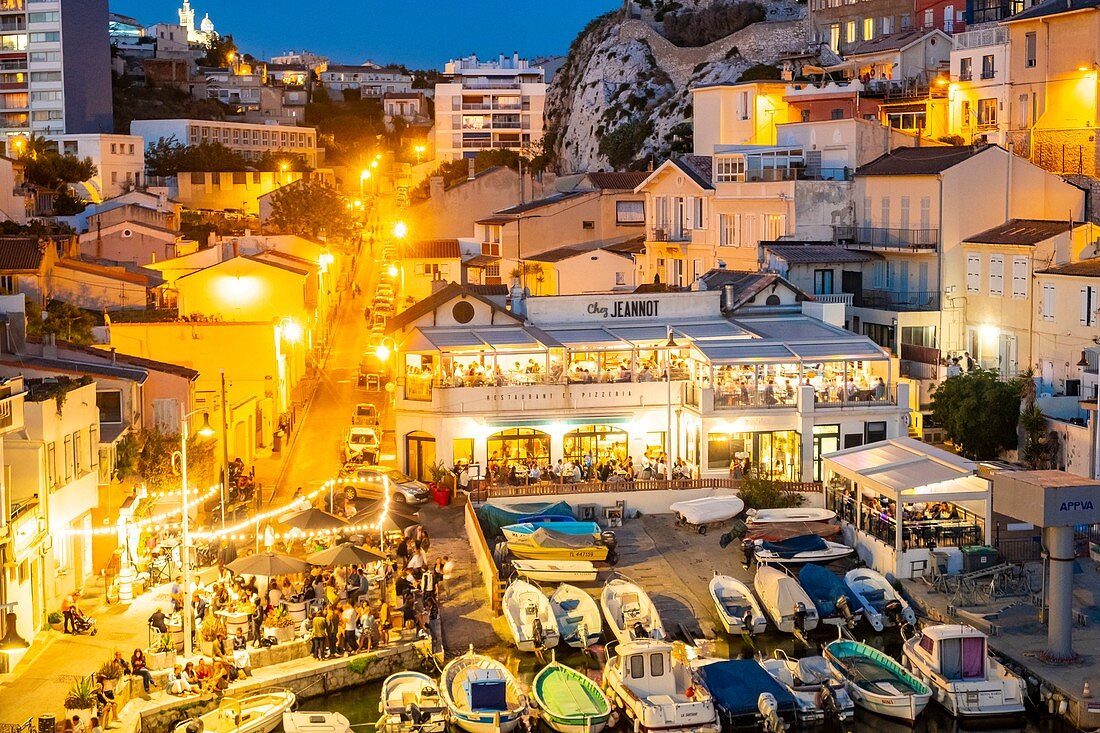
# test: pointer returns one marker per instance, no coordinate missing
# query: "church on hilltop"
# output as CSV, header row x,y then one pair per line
x,y
201,35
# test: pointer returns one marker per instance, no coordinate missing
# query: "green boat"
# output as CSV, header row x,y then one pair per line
x,y
569,701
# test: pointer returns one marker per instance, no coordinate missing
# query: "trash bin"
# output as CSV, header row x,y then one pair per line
x,y
277,444
978,557
47,724
441,495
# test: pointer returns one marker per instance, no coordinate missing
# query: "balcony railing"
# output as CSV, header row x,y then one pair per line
x,y
736,397
912,300
989,74
845,298
966,76
661,234
500,145
855,237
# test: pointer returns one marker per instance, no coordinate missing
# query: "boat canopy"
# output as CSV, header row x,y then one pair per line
x,y
544,537
737,684
824,588
494,517
796,545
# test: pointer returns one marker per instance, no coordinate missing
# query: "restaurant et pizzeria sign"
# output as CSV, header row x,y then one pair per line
x,y
625,308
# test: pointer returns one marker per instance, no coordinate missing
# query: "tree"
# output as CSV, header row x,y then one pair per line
x,y
220,52
1040,443
310,208
979,412
766,493
165,156
147,456
621,145
63,320
51,170
67,203
168,156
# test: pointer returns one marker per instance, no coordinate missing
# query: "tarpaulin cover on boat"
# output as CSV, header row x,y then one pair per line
x,y
796,545
824,588
736,685
545,537
494,517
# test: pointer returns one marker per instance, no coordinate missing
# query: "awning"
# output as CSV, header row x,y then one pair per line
x,y
636,334
723,329
452,339
908,470
746,351
844,350
597,338
509,338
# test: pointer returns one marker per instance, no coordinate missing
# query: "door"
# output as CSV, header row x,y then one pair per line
x,y
823,282
922,283
851,281
1006,355
419,455
826,440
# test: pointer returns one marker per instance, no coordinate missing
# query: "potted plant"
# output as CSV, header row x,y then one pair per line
x,y
80,699
161,654
279,624
56,621
110,673
211,628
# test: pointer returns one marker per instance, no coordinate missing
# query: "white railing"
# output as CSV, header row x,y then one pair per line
x,y
996,36
845,298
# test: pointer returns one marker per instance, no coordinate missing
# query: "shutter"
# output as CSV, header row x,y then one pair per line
x,y
1084,306
973,273
1019,277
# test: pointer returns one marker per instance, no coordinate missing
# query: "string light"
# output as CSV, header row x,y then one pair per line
x,y
158,519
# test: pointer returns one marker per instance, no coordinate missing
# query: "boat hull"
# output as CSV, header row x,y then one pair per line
x,y
779,516
305,721
502,721
577,722
898,704
779,591
274,704
580,623
611,600
531,634
1000,695
595,553
721,588
522,531
562,571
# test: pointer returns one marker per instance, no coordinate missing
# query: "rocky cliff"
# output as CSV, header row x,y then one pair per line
x,y
626,86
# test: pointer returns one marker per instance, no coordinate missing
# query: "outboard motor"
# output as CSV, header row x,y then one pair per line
x,y
768,708
800,617
747,622
893,611
845,609
537,633
607,538
826,701
639,631
748,549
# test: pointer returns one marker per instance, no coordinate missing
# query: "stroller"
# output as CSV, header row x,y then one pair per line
x,y
82,623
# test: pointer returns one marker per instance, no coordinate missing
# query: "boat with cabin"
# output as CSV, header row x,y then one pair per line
x,y
657,690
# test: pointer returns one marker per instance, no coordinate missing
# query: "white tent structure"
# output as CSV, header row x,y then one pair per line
x,y
908,472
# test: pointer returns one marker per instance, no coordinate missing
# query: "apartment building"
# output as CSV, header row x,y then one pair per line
x,y
369,80
980,85
248,139
841,24
119,161
488,104
55,75
1053,114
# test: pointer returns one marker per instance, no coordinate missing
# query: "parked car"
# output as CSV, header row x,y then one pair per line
x,y
365,414
361,440
375,481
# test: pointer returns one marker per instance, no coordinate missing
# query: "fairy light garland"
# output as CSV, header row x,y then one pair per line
x,y
160,518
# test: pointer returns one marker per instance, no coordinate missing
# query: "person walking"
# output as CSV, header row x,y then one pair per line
x,y
318,634
68,603
351,619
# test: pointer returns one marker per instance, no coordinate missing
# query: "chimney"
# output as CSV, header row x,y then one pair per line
x,y
469,169
236,249
721,264
727,297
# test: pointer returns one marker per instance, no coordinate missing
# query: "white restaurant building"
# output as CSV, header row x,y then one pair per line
x,y
754,376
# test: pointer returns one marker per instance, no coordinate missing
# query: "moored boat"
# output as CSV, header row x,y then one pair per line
x,y
746,696
786,603
954,660
819,693
315,721
529,616
782,531
523,530
259,713
882,605
706,510
793,514
876,682
835,602
808,548
411,703
547,544
738,609
556,571
657,689
569,701
579,622
481,695
630,612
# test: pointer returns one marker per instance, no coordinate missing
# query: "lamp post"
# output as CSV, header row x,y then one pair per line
x,y
419,150
12,642
668,383
185,527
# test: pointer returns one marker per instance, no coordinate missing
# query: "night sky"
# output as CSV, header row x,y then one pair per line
x,y
418,33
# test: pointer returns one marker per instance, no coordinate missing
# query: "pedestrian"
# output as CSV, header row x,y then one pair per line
x,y
351,621
427,585
95,725
68,603
367,628
137,664
332,625
318,634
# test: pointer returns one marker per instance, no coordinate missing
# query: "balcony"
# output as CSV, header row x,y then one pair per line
x,y
966,76
732,396
923,300
498,145
913,240
989,74
661,234
845,298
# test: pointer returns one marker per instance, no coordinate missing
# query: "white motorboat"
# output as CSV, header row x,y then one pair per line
x,y
481,695
882,606
556,571
877,682
807,548
259,713
529,617
706,510
522,531
657,689
578,616
954,661
629,612
411,703
794,514
786,603
315,721
738,608
819,693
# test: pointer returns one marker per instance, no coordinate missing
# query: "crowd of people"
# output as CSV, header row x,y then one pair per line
x,y
609,469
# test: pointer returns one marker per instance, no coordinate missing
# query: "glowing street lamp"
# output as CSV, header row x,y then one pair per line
x,y
383,352
392,271
291,331
419,150
363,178
400,230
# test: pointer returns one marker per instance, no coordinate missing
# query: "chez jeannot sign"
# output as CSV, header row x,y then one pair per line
x,y
625,308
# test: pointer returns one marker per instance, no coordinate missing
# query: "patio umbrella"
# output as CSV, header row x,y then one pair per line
x,y
314,520
267,564
346,554
374,508
394,520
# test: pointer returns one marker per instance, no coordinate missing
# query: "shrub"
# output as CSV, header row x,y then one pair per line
x,y
759,72
81,695
706,25
764,493
952,139
621,145
54,617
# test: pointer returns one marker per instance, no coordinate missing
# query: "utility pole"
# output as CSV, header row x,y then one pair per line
x,y
225,450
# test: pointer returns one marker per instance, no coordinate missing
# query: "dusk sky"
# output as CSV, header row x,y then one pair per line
x,y
418,33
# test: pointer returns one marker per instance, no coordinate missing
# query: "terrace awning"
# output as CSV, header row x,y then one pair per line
x,y
843,350
748,351
907,470
596,338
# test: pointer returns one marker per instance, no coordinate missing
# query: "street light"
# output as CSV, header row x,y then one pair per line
x,y
419,150
292,332
12,643
185,550
400,230
392,270
668,382
384,352
363,178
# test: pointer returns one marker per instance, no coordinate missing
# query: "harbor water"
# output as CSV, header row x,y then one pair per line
x,y
360,705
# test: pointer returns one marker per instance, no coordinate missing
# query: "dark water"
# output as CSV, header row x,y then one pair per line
x,y
360,705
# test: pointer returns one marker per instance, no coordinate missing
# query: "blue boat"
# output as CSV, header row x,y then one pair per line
x,y
836,604
737,686
546,518
807,548
523,531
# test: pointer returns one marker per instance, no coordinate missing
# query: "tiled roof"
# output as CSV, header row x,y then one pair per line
x,y
809,253
699,167
1054,7
658,288
632,246
890,42
1021,231
402,95
552,199
137,276
20,253
572,250
489,291
1084,268
624,181
434,249
745,284
448,292
923,161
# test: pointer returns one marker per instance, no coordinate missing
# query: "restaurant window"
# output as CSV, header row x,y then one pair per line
x,y
771,454
826,440
730,169
868,29
516,446
654,444
462,450
873,432
599,443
